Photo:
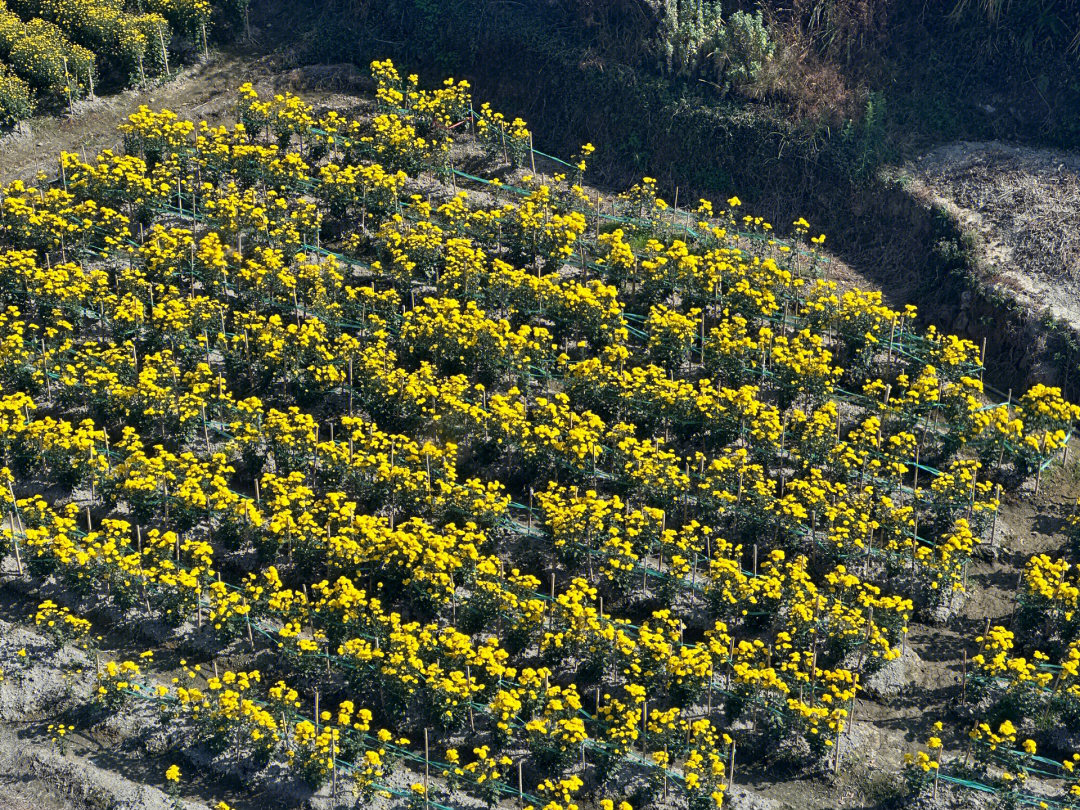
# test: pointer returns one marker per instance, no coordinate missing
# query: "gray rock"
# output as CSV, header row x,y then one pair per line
x,y
891,679
33,688
743,799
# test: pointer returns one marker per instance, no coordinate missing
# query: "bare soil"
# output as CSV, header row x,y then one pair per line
x,y
1023,205
204,91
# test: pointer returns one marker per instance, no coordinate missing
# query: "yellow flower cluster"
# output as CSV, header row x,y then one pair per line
x,y
136,40
363,422
60,622
42,57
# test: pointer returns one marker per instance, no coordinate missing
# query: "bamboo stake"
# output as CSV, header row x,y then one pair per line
x,y
48,380
67,80
963,680
427,768
665,770
468,677
836,760
1008,415
164,52
206,435
14,538
993,526
645,727
251,637
333,763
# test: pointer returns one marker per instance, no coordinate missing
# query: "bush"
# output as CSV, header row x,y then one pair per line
x,y
134,41
15,100
192,17
694,42
42,56
688,34
746,48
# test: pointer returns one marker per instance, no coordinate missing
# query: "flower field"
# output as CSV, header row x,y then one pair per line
x,y
53,51
458,483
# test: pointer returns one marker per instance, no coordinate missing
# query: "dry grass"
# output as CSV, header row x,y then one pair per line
x,y
1030,201
1022,206
810,87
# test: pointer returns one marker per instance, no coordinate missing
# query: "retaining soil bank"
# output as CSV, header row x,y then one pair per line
x,y
919,247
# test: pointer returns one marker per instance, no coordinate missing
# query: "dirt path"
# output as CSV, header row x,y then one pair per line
x,y
206,91
203,90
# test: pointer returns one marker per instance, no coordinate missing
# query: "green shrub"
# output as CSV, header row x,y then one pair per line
x,y
694,42
1031,25
43,57
134,41
15,100
688,35
745,46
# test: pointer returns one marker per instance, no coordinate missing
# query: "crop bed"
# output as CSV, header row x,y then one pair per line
x,y
456,487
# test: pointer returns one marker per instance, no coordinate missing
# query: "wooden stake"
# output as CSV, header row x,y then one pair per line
x,y
963,680
164,51
206,435
67,80
836,761
15,538
468,677
1008,415
251,637
333,763
427,768
48,380
665,770
993,526
644,727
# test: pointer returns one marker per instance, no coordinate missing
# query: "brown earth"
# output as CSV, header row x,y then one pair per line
x,y
1023,206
